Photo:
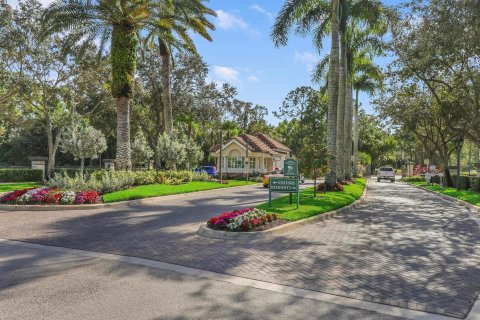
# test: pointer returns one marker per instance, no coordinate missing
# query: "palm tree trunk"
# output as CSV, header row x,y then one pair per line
x,y
166,97
333,71
341,111
124,63
348,129
124,157
355,136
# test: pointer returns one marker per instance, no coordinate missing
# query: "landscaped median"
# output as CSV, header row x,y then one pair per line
x,y
264,221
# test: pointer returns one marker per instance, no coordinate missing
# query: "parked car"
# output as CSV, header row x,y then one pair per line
x,y
210,170
387,173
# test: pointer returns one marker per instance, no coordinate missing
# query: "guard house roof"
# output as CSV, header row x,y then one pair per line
x,y
258,143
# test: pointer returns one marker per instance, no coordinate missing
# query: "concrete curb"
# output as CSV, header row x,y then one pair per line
x,y
448,198
205,231
128,203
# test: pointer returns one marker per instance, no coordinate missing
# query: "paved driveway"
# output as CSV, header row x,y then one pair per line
x,y
404,247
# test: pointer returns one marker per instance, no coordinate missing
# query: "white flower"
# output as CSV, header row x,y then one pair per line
x,y
68,197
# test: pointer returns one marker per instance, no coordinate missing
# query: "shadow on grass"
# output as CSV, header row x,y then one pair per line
x,y
311,206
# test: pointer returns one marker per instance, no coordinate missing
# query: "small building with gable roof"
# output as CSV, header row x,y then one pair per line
x,y
265,155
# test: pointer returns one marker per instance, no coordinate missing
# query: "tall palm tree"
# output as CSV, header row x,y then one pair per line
x,y
121,22
361,26
179,17
323,17
366,77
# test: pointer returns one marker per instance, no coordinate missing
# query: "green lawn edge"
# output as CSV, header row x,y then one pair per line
x,y
465,195
12,186
158,190
309,206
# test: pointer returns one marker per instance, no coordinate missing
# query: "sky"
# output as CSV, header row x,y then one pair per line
x,y
243,54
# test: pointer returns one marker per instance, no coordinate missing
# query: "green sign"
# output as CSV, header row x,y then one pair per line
x,y
283,185
290,168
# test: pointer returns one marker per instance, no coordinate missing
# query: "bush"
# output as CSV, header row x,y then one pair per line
x,y
20,175
143,177
475,185
337,187
71,172
464,182
200,176
414,179
167,177
105,182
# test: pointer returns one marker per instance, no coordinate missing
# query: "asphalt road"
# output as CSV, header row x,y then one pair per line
x,y
44,284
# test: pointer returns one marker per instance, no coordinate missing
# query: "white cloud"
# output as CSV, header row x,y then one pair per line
x,y
226,74
257,8
308,58
253,79
229,21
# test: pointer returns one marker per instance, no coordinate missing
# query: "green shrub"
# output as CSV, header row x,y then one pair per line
x,y
464,182
179,176
414,179
144,177
475,184
106,182
20,175
200,176
71,172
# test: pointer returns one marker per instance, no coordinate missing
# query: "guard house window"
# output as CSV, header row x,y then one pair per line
x,y
253,163
236,162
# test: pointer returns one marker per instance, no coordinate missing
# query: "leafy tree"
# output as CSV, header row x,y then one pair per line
x,y
436,44
375,141
305,133
170,151
141,151
48,77
248,115
83,142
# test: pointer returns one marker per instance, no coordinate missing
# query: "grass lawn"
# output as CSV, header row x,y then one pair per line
x,y
156,190
310,206
7,187
465,195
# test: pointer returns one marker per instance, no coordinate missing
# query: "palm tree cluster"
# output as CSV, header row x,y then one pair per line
x,y
129,25
355,28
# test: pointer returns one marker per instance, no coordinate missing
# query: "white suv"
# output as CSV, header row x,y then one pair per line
x,y
387,173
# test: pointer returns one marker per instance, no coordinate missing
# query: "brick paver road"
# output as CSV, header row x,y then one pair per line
x,y
404,247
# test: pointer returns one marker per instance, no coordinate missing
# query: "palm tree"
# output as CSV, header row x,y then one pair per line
x,y
319,16
366,77
361,25
178,18
120,21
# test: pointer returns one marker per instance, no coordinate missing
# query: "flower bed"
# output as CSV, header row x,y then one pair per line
x,y
50,196
251,219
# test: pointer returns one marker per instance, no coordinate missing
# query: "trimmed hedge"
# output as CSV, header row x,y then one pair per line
x,y
21,175
414,179
464,182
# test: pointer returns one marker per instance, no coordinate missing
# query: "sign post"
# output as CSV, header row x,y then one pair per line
x,y
288,184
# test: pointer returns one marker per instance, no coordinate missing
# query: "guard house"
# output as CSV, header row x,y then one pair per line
x,y
265,154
